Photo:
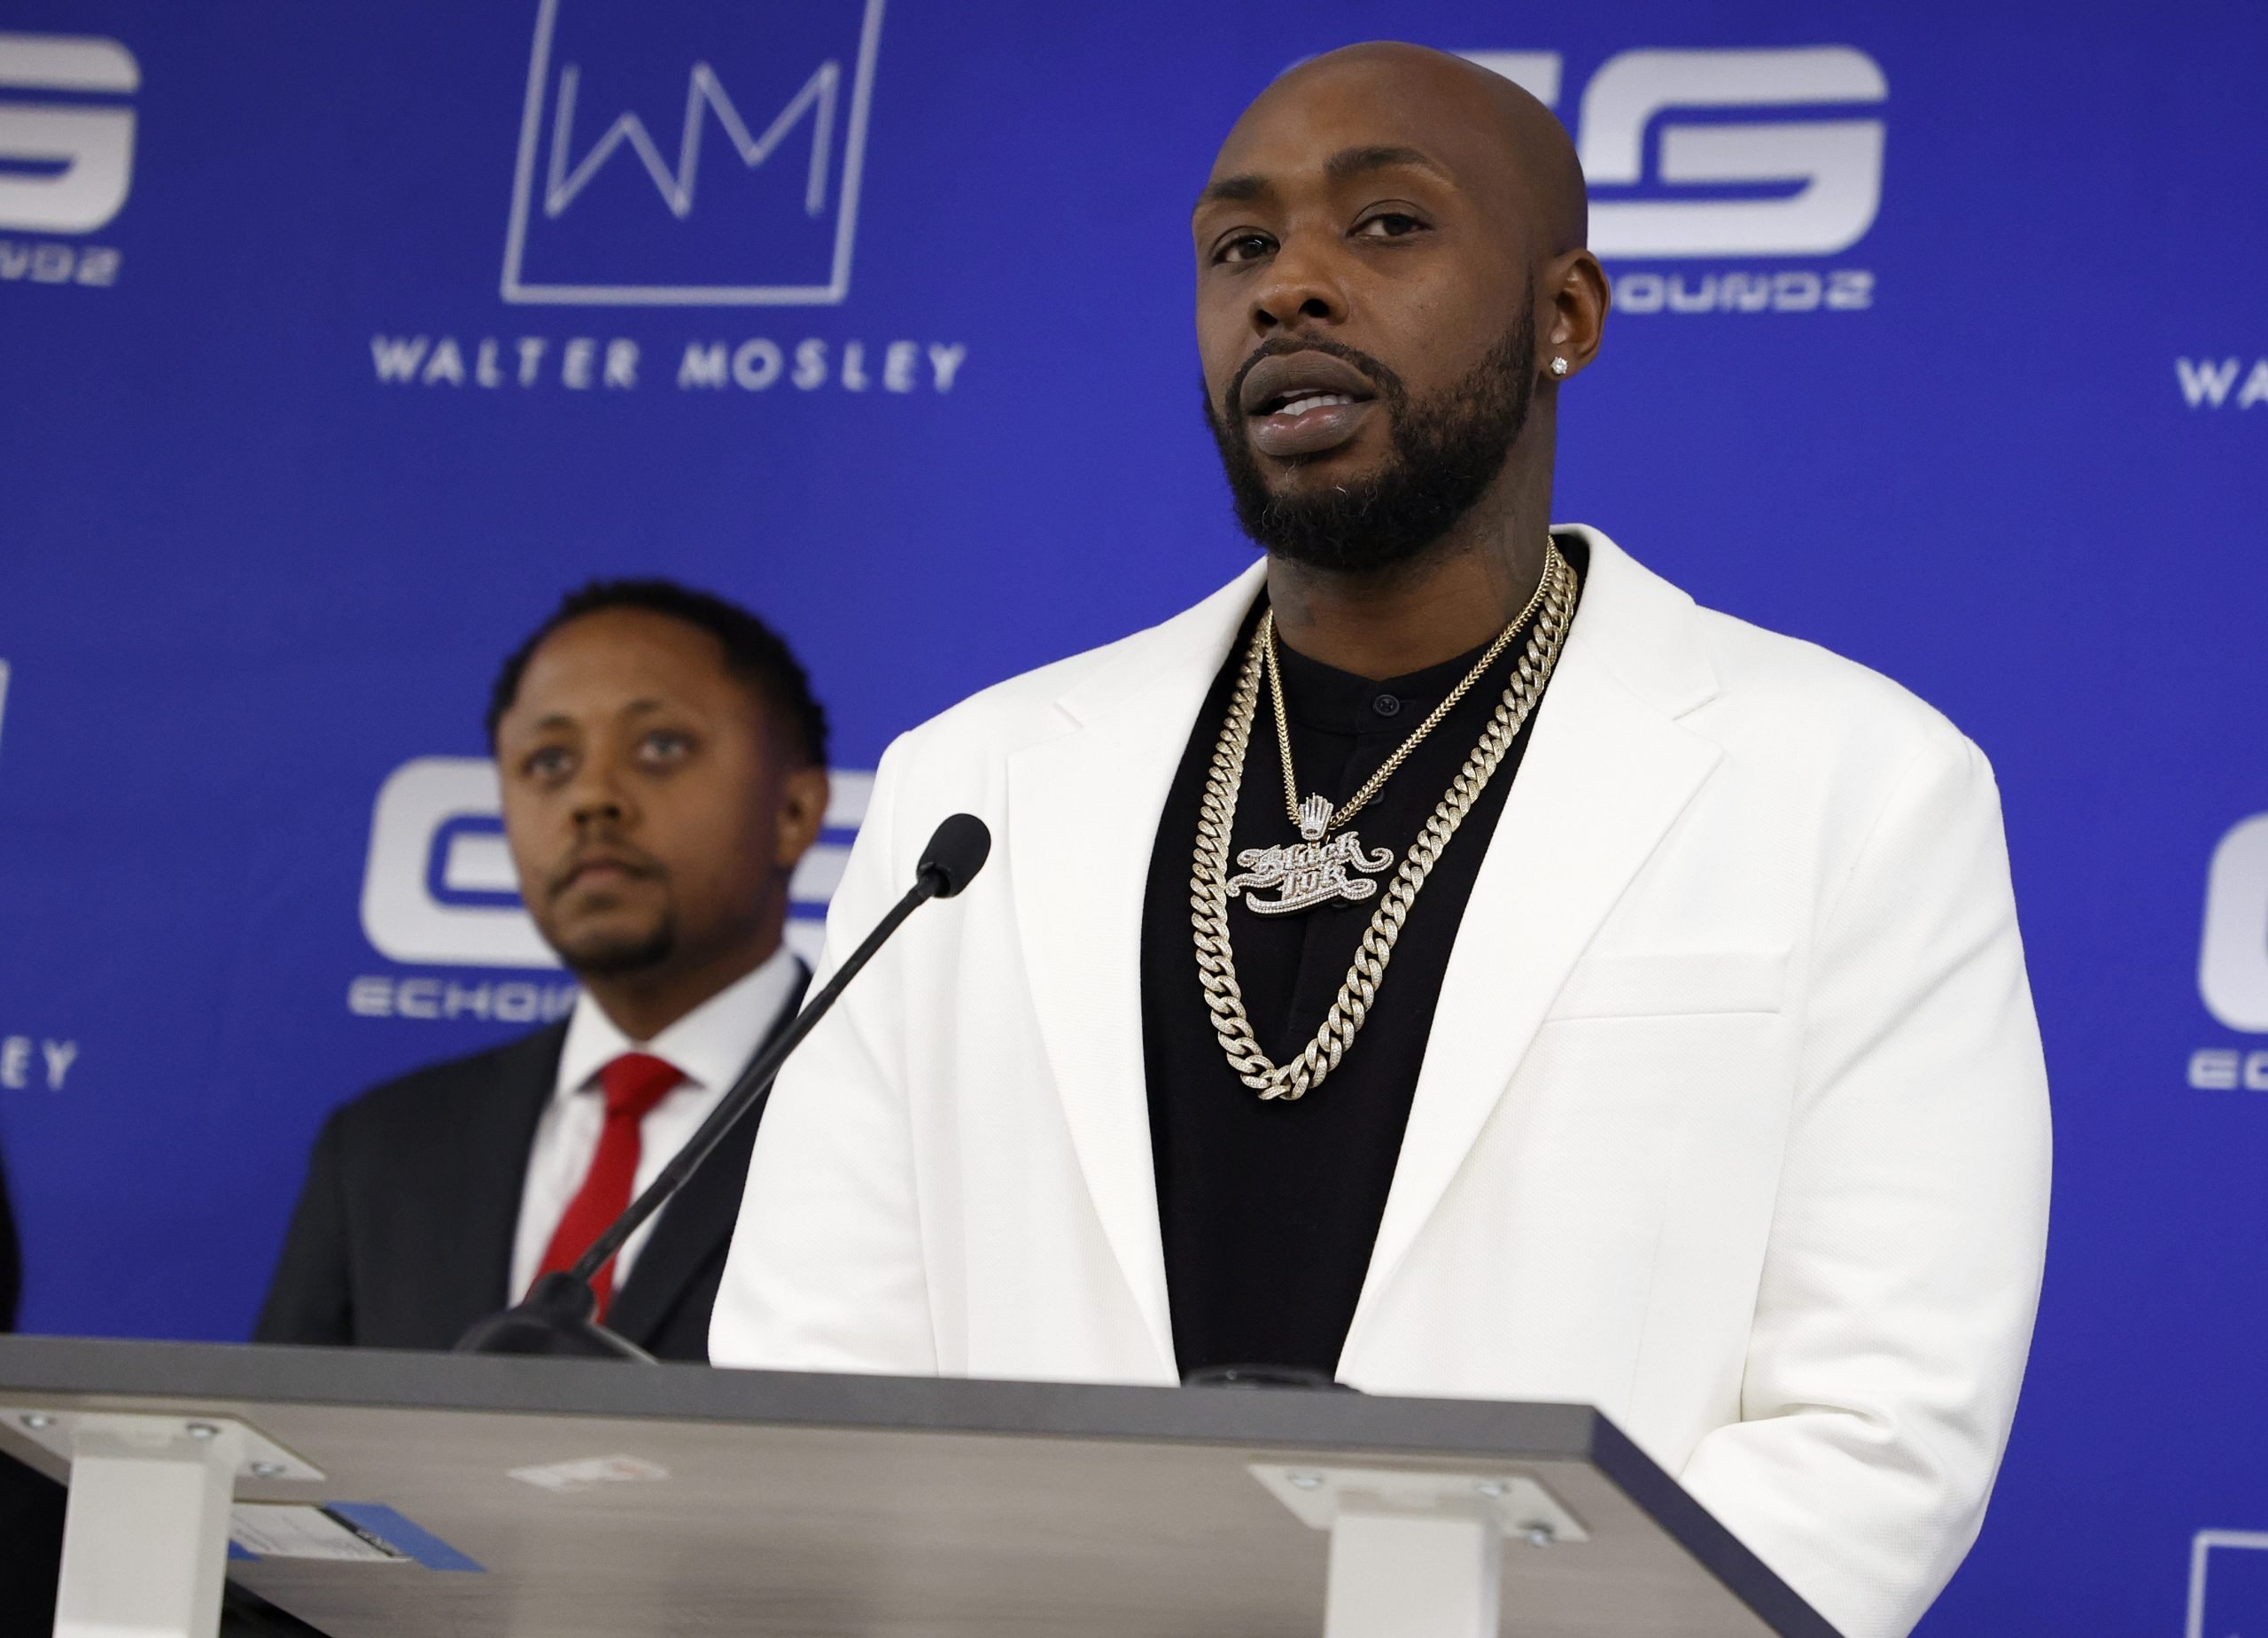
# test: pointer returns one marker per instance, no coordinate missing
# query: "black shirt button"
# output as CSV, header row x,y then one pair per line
x,y
1386,706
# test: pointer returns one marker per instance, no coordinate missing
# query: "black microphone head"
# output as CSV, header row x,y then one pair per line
x,y
955,852
559,1317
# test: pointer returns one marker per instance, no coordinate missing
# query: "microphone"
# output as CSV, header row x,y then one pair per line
x,y
559,1316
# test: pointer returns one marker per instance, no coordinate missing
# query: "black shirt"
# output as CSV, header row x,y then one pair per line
x,y
1269,1209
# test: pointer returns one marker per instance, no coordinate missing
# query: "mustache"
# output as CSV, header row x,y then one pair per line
x,y
632,860
1380,375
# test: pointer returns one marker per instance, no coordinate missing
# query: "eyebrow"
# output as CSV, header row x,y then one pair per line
x,y
561,719
1235,190
1353,161
1347,162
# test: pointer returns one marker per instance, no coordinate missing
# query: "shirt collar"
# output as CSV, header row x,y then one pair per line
x,y
1322,696
710,1045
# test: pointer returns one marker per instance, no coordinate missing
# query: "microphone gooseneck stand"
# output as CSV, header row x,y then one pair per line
x,y
559,1316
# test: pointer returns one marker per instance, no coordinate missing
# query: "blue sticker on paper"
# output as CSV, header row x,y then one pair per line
x,y
419,1546
284,1531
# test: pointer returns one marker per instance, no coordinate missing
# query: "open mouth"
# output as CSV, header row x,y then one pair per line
x,y
1301,405
1299,402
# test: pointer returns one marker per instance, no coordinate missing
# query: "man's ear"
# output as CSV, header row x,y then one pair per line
x,y
1574,294
803,808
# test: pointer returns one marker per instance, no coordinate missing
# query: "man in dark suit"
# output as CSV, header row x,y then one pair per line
x,y
663,767
31,1503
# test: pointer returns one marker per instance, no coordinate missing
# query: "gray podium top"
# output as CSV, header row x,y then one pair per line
x,y
828,1506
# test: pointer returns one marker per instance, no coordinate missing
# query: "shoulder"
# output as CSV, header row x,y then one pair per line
x,y
1759,693
438,1095
1043,704
1816,701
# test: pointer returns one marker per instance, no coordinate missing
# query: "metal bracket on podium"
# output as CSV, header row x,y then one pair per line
x,y
1416,1554
145,1532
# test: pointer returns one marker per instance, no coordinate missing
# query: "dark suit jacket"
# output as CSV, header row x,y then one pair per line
x,y
12,1265
31,1503
403,1234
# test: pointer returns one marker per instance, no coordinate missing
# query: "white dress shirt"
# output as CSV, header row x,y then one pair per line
x,y
710,1046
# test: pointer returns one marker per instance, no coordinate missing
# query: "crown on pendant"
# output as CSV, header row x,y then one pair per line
x,y
1315,818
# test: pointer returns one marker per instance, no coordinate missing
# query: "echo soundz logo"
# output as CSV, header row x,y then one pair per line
x,y
1722,189
66,154
606,212
2232,961
439,890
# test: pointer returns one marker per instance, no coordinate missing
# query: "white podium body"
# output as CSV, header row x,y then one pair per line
x,y
573,1500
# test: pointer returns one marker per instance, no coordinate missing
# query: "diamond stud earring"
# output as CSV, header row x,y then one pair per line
x,y
1558,366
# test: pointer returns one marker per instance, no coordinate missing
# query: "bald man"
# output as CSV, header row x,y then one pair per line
x,y
1446,959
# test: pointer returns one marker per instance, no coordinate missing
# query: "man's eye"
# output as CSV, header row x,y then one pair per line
x,y
550,763
664,745
1389,225
1245,247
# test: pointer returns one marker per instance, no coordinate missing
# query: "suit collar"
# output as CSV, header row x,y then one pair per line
x,y
1641,628
1637,624
489,1150
1181,654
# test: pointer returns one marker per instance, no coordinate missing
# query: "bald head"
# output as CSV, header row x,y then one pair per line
x,y
1504,134
1392,288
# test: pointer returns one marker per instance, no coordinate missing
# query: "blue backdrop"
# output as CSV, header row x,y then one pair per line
x,y
336,341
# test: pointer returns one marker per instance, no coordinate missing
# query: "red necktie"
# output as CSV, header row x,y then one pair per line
x,y
633,1083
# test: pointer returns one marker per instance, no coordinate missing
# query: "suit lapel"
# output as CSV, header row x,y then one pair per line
x,y
496,1133
1083,812
697,1223
1606,772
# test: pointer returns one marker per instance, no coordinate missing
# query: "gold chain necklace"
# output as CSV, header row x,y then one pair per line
x,y
1210,885
1316,806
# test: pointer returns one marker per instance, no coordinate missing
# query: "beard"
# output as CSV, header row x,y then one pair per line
x,y
598,955
1446,453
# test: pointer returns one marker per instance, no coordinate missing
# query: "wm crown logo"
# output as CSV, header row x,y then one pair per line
x,y
691,155
64,165
1764,183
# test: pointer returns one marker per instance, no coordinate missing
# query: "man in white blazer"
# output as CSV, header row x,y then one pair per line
x,y
1446,958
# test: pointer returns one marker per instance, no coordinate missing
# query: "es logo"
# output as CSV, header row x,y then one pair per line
x,y
744,194
438,888
1813,186
67,153
68,163
2232,966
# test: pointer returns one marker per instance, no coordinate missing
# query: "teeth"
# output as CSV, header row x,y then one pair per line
x,y
1314,401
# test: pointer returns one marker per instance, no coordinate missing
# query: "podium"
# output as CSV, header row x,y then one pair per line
x,y
579,1499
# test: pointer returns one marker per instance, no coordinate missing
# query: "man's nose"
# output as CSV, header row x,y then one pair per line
x,y
600,799
1299,289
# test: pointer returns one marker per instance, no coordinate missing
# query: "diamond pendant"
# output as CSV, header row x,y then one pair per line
x,y
1309,872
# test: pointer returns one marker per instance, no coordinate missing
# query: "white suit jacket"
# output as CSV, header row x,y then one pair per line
x,y
1733,1121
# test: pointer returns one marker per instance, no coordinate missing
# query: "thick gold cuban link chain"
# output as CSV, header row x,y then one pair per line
x,y
1208,896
